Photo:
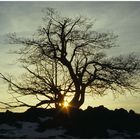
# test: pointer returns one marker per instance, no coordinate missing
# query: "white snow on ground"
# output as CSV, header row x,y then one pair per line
x,y
29,130
111,132
42,119
118,135
6,127
138,134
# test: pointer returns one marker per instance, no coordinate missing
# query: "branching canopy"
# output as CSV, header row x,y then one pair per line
x,y
67,57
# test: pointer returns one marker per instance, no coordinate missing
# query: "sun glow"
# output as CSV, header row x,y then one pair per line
x,y
66,104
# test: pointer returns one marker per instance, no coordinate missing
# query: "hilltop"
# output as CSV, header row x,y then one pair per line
x,y
98,122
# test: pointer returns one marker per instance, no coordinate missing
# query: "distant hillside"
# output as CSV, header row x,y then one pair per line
x,y
98,122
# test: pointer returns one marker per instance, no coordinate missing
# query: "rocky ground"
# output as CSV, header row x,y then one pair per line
x,y
98,122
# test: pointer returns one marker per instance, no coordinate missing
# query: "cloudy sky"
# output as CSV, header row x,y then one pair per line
x,y
122,18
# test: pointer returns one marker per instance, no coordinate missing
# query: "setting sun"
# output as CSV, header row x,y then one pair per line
x,y
65,104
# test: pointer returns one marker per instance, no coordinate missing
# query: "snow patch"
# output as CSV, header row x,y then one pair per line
x,y
28,130
7,127
42,119
117,134
111,132
138,134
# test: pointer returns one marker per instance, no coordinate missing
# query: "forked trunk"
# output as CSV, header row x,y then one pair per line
x,y
78,100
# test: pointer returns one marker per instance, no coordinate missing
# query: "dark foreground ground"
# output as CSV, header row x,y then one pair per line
x,y
96,122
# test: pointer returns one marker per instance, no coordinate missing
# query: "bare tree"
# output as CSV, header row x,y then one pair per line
x,y
67,57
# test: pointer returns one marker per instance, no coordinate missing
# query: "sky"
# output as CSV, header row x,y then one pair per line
x,y
119,17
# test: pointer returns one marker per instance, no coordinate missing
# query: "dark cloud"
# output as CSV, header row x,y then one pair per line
x,y
120,17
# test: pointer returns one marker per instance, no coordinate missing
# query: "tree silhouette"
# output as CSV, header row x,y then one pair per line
x,y
67,58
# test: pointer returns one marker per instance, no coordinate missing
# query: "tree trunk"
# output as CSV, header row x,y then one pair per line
x,y
78,99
